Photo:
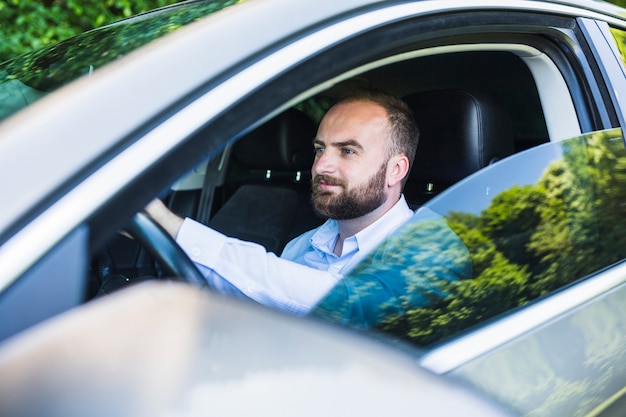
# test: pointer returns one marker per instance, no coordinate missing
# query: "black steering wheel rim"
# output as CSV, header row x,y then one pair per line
x,y
165,250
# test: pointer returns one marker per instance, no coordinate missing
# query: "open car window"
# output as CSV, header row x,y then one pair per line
x,y
517,230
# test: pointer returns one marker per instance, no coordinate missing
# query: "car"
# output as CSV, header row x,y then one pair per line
x,y
212,106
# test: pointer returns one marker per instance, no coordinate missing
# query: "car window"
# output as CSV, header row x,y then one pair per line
x,y
515,231
29,77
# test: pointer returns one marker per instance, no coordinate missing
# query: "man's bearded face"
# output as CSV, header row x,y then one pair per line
x,y
350,202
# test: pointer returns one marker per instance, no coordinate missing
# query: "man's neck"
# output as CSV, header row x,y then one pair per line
x,y
351,227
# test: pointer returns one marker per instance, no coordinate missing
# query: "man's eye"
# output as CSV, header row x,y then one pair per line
x,y
318,151
347,151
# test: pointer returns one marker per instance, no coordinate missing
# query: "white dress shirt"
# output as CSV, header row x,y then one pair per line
x,y
295,282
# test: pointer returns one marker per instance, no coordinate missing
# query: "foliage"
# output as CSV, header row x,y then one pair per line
x,y
26,25
30,76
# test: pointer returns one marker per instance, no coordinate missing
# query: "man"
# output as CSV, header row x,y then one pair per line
x,y
364,149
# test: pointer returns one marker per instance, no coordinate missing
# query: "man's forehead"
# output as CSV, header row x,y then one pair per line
x,y
355,116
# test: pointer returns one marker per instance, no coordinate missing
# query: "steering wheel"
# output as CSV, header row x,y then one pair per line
x,y
165,250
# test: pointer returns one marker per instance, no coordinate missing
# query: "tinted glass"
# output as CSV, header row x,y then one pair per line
x,y
511,233
28,77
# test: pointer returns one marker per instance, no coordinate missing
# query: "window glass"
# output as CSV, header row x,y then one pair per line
x,y
620,39
28,77
515,231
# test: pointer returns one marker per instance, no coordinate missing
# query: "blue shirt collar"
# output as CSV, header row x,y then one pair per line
x,y
326,235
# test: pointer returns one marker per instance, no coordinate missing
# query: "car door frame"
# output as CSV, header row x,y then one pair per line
x,y
605,52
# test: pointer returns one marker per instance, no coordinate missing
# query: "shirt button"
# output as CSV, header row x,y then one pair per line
x,y
337,266
196,251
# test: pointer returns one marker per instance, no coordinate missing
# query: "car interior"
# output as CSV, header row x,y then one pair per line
x,y
474,106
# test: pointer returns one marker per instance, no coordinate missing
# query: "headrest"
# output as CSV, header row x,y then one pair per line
x,y
284,143
460,133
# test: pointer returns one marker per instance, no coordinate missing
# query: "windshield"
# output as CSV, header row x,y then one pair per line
x,y
30,76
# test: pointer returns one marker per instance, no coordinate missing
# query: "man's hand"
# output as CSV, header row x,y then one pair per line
x,y
164,216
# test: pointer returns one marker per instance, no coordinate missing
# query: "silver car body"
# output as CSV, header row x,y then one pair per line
x,y
72,154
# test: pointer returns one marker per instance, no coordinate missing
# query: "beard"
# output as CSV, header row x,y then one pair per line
x,y
349,203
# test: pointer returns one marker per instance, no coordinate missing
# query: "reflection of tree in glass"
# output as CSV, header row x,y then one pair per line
x,y
57,64
582,215
530,241
411,268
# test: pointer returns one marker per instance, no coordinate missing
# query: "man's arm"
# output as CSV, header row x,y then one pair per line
x,y
258,274
245,268
165,217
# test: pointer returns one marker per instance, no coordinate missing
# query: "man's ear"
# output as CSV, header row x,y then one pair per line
x,y
397,169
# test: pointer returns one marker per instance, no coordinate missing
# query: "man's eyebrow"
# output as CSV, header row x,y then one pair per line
x,y
342,144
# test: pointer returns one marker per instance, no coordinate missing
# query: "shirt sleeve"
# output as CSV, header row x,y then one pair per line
x,y
234,266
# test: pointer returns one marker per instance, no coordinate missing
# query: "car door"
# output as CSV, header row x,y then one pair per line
x,y
540,325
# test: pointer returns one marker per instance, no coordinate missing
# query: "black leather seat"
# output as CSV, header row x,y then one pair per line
x,y
460,133
269,192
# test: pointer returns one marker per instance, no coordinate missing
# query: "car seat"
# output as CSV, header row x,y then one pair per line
x,y
268,184
460,133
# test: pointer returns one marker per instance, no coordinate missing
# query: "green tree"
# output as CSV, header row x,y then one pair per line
x,y
27,25
510,219
36,73
582,213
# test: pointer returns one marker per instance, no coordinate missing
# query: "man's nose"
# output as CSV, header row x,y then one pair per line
x,y
323,164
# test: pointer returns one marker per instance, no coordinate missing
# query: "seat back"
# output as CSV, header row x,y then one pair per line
x,y
268,196
283,144
460,133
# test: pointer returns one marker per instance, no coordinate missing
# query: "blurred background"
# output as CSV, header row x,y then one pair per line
x,y
30,24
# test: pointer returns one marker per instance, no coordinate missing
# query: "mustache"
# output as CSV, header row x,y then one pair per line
x,y
327,179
